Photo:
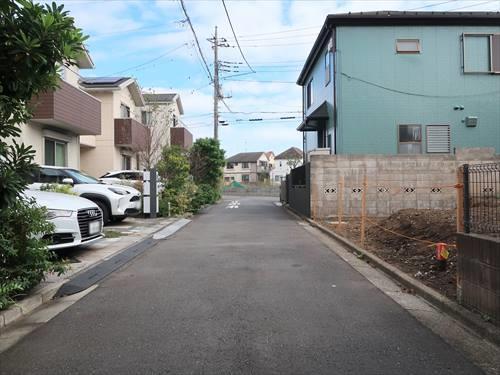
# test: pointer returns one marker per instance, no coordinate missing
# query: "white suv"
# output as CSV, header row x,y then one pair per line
x,y
77,221
115,201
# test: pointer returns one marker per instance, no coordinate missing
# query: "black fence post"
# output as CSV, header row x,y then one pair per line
x,y
466,198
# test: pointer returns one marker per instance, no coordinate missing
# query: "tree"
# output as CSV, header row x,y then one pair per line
x,y
294,162
34,41
158,123
207,162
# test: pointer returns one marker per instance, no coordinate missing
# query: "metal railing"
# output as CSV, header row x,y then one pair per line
x,y
481,192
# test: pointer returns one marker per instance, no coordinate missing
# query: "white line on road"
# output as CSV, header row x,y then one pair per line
x,y
233,204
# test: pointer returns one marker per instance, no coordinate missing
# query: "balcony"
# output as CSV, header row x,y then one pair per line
x,y
68,108
130,133
181,137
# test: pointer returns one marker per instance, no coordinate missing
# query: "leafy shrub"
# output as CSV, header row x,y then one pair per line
x,y
180,199
24,257
205,194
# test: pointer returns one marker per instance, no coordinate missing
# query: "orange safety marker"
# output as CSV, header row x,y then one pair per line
x,y
442,253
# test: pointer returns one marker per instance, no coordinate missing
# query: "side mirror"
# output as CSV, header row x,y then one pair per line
x,y
68,181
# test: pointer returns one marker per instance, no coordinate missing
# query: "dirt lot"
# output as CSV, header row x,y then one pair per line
x,y
416,257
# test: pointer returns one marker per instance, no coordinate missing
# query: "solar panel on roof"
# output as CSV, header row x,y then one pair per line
x,y
103,80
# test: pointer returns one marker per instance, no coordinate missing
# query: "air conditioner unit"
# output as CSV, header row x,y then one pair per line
x,y
471,121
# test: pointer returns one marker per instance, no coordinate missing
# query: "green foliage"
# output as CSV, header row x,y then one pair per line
x,y
34,41
207,162
24,257
58,188
206,194
174,166
180,199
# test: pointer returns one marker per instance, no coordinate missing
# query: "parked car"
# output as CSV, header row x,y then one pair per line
x,y
128,177
78,221
116,202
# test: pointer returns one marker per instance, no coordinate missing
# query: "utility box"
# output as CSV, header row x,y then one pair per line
x,y
150,200
471,121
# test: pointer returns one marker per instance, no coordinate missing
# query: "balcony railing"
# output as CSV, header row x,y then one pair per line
x,y
68,108
130,133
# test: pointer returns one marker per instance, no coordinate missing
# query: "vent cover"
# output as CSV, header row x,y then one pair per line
x,y
438,139
471,121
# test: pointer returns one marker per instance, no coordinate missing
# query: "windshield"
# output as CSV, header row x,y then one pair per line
x,y
81,177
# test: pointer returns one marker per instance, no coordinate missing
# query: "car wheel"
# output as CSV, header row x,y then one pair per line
x,y
118,219
105,211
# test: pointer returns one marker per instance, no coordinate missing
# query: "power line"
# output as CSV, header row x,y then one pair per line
x,y
473,5
414,93
280,32
433,5
280,37
196,39
235,38
149,61
254,80
251,113
225,105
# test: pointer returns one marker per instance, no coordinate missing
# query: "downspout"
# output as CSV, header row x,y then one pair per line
x,y
335,117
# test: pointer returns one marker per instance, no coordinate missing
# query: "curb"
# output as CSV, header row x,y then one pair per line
x,y
468,318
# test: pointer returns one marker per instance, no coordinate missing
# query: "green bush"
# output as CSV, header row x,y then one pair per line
x,y
179,197
24,257
205,194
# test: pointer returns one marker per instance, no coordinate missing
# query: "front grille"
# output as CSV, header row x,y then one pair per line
x,y
59,238
85,216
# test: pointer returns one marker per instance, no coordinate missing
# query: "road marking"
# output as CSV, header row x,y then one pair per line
x,y
278,204
233,204
171,229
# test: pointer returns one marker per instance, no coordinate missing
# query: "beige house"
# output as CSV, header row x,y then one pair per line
x,y
162,115
60,117
247,167
123,135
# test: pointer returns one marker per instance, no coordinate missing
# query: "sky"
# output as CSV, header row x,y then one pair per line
x,y
151,41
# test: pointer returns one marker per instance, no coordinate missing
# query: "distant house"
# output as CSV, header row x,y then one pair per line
x,y
247,167
284,162
403,83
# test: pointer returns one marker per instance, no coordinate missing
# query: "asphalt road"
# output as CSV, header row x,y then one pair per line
x,y
242,290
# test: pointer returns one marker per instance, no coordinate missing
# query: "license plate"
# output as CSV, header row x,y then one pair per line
x,y
94,227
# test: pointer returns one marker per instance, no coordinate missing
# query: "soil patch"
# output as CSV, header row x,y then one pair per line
x,y
405,239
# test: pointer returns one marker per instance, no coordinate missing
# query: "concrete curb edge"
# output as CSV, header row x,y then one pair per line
x,y
464,316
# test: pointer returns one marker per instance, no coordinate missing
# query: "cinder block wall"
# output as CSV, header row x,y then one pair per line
x,y
393,182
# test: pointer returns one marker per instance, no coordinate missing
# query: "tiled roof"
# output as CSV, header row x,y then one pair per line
x,y
243,157
291,153
103,81
155,98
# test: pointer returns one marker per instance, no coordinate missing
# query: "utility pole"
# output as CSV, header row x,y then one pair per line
x,y
222,42
216,86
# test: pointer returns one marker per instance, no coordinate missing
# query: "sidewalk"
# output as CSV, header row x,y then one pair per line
x,y
119,237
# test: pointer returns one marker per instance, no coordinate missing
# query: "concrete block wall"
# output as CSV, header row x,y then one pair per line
x,y
393,182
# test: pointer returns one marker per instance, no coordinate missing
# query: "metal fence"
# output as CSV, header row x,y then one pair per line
x,y
481,192
296,190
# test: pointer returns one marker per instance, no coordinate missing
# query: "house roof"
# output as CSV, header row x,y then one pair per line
x,y
291,153
243,157
165,98
394,18
112,84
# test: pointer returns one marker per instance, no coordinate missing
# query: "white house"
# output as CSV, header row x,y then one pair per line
x,y
284,162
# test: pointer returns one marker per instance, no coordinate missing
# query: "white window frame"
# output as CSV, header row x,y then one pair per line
x,y
328,67
464,53
416,51
309,94
399,137
56,141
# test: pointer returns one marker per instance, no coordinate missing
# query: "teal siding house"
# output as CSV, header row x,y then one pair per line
x,y
403,83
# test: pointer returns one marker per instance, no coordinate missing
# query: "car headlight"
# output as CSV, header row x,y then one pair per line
x,y
52,214
118,191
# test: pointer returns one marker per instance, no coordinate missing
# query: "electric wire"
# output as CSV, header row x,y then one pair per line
x,y
235,38
196,39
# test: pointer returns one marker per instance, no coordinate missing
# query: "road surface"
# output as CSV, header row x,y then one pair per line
x,y
243,289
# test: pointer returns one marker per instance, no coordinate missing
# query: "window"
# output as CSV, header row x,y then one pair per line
x,y
481,53
309,94
174,120
263,163
55,153
281,164
230,166
51,176
124,111
244,165
146,117
408,46
276,178
245,177
126,162
410,139
327,67
438,139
